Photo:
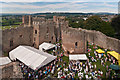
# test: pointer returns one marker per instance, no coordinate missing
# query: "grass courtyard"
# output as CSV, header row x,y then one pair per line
x,y
98,63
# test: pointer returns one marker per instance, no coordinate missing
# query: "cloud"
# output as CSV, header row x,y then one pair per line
x,y
59,0
30,6
33,7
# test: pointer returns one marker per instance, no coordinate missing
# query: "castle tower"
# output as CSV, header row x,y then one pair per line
x,y
30,21
55,18
27,20
23,19
58,21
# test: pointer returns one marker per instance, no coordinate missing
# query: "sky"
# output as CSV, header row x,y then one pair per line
x,y
40,6
60,0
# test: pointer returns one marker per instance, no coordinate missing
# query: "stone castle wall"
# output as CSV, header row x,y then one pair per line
x,y
74,41
72,35
11,38
102,40
11,70
43,32
6,71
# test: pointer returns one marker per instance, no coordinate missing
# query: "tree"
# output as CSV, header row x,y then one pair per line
x,y
96,23
93,23
76,23
107,29
116,24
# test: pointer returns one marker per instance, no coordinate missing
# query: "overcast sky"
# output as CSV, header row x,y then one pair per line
x,y
60,0
37,6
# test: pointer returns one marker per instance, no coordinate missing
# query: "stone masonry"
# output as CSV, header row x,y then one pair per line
x,y
36,30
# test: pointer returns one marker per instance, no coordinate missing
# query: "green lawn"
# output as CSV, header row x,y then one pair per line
x,y
8,27
98,64
17,23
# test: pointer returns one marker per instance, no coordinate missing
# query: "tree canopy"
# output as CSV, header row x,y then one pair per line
x,y
116,24
94,23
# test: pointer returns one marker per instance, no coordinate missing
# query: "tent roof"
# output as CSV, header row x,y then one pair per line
x,y
100,51
31,56
77,57
114,54
46,46
4,60
115,67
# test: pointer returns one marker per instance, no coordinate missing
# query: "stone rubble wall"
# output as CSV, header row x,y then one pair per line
x,y
102,40
19,36
72,35
11,70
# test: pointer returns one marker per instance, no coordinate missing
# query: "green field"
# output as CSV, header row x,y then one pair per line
x,y
8,27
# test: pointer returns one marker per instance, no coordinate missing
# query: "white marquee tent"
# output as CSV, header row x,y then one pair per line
x,y
46,46
77,57
31,57
4,60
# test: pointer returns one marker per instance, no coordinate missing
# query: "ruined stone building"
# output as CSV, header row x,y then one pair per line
x,y
54,30
36,30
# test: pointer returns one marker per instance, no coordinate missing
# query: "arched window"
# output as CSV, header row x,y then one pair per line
x,y
52,37
21,35
35,31
68,52
76,44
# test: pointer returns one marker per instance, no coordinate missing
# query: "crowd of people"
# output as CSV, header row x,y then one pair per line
x,y
42,72
74,69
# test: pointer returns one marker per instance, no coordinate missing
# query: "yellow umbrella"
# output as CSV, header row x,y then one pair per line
x,y
119,62
115,54
100,51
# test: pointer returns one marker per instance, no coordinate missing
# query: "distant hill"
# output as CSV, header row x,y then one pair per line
x,y
64,14
56,13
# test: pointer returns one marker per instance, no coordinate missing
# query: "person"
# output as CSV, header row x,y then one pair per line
x,y
107,67
46,72
84,71
87,68
86,76
36,76
101,73
90,78
83,65
80,78
89,54
99,56
113,61
29,75
72,77
95,66
106,59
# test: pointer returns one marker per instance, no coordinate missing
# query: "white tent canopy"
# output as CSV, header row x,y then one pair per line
x,y
4,60
31,56
46,46
77,57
